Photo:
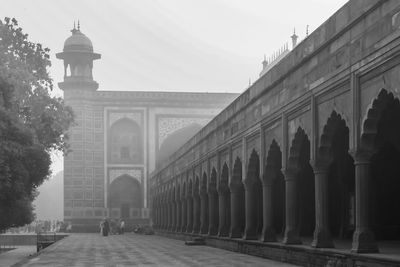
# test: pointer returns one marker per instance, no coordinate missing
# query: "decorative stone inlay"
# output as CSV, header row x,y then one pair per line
x,y
168,125
134,116
135,173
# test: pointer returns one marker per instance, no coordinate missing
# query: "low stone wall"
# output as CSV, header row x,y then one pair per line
x,y
23,239
300,255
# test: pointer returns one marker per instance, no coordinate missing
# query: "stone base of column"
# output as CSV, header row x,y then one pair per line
x,y
183,229
204,231
250,234
196,230
268,235
223,232
291,238
235,233
212,231
364,242
189,230
322,239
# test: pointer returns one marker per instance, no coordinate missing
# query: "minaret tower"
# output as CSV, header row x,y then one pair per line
x,y
78,59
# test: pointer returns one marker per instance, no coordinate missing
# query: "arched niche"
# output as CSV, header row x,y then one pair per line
x,y
125,142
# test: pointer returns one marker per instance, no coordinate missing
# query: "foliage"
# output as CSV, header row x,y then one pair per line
x,y
32,123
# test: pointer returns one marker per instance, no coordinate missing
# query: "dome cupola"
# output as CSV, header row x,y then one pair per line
x,y
78,59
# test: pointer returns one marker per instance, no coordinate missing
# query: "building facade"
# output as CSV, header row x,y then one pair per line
x,y
119,138
308,154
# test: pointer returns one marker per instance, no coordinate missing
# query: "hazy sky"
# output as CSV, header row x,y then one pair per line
x,y
171,45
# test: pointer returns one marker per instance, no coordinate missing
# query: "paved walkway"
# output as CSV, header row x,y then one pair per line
x,y
15,255
138,250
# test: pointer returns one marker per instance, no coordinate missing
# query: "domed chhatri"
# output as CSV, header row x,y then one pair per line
x,y
78,59
78,41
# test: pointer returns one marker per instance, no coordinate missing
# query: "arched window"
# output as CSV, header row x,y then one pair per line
x,y
125,142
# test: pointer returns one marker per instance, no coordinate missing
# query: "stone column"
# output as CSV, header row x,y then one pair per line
x,y
363,237
178,216
184,215
236,213
189,212
196,214
212,212
222,224
322,236
204,213
292,221
250,232
268,232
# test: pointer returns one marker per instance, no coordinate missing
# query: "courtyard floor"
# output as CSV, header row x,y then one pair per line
x,y
138,250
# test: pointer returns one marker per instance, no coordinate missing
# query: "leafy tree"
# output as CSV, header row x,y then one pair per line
x,y
32,123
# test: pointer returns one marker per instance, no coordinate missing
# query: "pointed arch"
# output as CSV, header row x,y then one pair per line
x,y
237,201
333,157
300,170
273,177
381,138
224,222
253,196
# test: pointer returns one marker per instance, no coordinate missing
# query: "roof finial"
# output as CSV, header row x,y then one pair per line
x,y
294,38
79,26
307,30
74,25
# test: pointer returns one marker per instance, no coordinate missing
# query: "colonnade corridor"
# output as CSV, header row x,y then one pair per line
x,y
342,196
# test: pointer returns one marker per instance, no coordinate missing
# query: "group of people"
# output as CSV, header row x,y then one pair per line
x,y
112,227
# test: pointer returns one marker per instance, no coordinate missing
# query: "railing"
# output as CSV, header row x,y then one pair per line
x,y
7,243
45,239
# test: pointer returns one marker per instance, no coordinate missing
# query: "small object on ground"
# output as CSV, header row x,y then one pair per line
x,y
197,241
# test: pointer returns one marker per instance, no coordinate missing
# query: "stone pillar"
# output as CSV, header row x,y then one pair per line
x,y
363,237
236,213
292,221
184,215
223,229
322,237
250,232
196,214
212,212
178,216
268,232
189,212
204,213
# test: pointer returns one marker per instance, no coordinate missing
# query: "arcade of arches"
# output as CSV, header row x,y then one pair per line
x,y
337,194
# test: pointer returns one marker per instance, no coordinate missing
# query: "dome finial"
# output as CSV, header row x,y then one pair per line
x,y
79,26
74,30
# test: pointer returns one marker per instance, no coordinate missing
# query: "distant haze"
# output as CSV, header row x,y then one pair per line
x,y
50,202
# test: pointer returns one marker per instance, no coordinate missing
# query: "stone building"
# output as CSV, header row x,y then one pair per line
x,y
120,137
309,154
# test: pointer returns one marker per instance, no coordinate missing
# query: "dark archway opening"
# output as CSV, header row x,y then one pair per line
x,y
385,169
273,168
237,201
341,177
254,198
299,163
125,194
224,192
204,205
213,203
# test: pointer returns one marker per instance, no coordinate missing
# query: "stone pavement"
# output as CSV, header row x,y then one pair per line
x,y
138,250
15,255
